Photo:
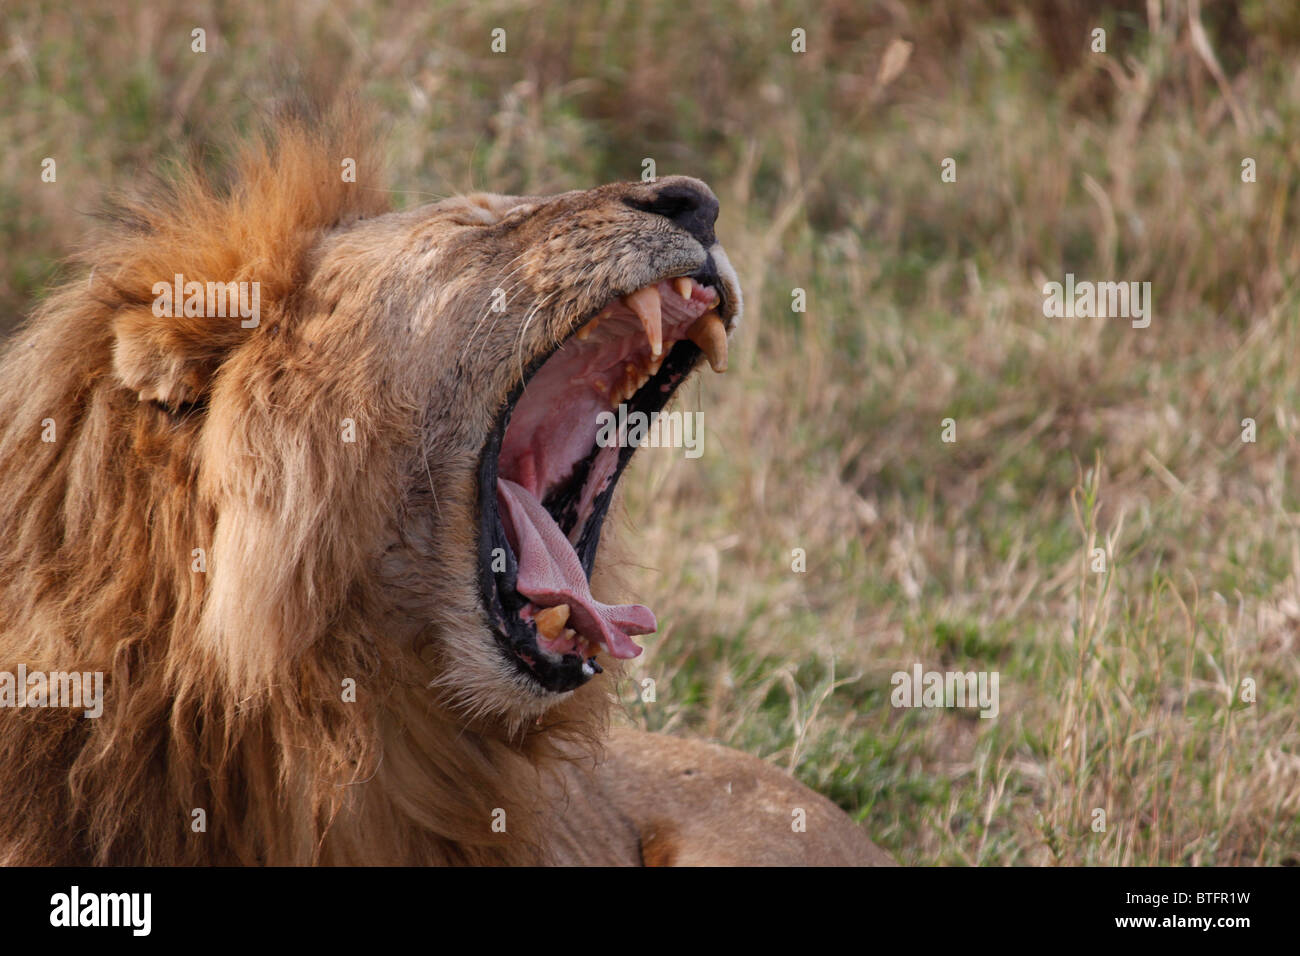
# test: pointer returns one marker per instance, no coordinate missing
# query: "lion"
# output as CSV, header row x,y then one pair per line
x,y
312,485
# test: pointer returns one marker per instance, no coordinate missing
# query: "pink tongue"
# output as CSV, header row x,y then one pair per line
x,y
550,573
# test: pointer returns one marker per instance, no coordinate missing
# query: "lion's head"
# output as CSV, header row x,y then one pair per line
x,y
388,475
522,321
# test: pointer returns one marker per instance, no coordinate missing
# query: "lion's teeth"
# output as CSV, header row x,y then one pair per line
x,y
683,286
654,365
710,335
550,621
645,303
590,327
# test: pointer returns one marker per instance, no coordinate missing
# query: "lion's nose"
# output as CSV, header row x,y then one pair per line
x,y
689,204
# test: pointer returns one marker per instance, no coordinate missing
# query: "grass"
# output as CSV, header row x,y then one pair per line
x,y
1121,690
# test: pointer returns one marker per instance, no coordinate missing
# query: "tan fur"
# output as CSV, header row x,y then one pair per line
x,y
325,559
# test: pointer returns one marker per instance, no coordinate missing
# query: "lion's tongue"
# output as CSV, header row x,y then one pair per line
x,y
550,574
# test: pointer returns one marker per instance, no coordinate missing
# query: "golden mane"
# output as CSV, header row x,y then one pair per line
x,y
241,717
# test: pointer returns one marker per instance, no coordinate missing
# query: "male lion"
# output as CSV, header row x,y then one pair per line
x,y
332,554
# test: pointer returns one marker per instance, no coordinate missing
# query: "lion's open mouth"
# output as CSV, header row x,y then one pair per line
x,y
549,470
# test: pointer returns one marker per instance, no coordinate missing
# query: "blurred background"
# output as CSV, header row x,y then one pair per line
x,y
1121,689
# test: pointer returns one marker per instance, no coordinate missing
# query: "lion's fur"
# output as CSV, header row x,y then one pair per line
x,y
223,688
199,531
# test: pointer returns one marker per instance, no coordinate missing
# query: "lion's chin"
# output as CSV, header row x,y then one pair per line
x,y
550,465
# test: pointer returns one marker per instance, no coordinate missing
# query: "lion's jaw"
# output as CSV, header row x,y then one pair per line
x,y
529,317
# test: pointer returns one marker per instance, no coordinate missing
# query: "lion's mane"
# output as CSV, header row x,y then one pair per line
x,y
242,717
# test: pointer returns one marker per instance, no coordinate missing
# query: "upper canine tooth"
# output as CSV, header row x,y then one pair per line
x,y
645,303
550,621
710,335
683,286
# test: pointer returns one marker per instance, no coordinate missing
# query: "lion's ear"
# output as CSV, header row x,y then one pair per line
x,y
168,360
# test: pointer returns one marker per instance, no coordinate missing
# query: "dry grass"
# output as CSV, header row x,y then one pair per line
x,y
1120,690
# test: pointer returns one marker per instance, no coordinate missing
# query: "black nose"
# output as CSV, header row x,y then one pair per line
x,y
688,206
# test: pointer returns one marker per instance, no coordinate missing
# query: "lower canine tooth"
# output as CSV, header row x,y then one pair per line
x,y
710,335
550,621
